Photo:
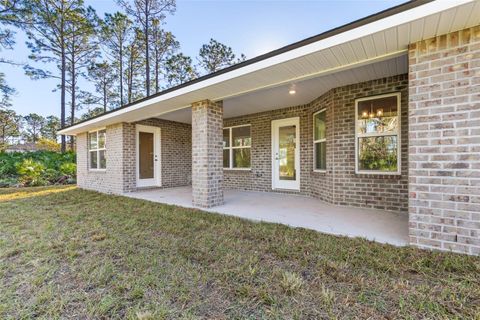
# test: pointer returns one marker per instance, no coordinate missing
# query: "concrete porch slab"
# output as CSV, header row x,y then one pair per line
x,y
296,211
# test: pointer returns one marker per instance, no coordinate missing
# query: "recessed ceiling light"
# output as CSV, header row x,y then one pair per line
x,y
292,90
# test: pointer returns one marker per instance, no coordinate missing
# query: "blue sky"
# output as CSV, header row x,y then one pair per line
x,y
249,27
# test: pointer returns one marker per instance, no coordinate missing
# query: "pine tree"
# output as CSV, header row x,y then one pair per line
x,y
102,76
179,69
145,12
134,69
92,113
6,92
50,128
48,27
164,45
9,126
33,126
215,56
9,15
116,32
81,50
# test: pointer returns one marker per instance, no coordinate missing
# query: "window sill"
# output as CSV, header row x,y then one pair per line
x,y
377,173
237,169
320,171
97,170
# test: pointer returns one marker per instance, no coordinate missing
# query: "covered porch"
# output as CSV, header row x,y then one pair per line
x,y
296,211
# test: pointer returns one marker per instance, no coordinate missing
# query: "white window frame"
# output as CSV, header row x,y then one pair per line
x,y
397,133
156,181
231,147
319,140
97,150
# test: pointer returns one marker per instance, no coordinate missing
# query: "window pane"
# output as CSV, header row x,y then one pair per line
x,y
241,158
93,160
320,126
226,158
378,115
93,140
286,152
146,148
377,153
226,138
103,160
101,139
320,156
241,136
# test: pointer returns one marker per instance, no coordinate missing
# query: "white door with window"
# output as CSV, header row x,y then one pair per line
x,y
286,154
148,156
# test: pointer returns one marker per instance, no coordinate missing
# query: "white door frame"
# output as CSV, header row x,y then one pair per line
x,y
157,168
276,182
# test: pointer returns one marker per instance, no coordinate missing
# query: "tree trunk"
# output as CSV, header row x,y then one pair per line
x,y
121,72
147,55
104,96
62,98
157,86
62,85
130,75
74,83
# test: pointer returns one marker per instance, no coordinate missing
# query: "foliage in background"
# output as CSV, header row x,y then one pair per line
x,y
179,69
9,126
48,145
215,56
146,13
9,13
36,168
378,153
34,124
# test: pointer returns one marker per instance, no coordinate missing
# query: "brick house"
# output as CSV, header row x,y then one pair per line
x,y
381,113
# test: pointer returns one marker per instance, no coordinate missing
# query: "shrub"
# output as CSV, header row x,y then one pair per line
x,y
31,172
68,169
48,145
8,182
36,168
51,175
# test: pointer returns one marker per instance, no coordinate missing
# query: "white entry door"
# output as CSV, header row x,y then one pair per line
x,y
286,154
148,156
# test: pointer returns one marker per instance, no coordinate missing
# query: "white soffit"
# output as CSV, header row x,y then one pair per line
x,y
306,90
378,41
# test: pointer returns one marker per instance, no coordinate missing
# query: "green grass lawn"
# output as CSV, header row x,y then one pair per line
x,y
70,253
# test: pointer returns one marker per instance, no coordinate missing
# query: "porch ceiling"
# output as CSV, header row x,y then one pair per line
x,y
306,90
375,39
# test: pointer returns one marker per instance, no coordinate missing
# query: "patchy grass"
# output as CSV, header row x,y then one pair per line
x,y
69,253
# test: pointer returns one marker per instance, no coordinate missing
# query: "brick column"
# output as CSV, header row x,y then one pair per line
x,y
207,154
444,142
